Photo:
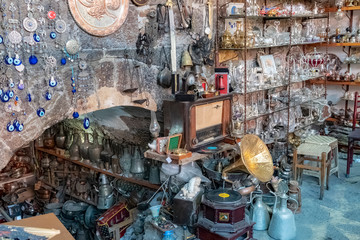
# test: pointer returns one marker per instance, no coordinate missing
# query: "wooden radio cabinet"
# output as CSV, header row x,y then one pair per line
x,y
201,122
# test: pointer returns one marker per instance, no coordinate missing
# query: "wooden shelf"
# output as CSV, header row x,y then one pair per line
x,y
195,155
334,9
335,82
273,46
330,119
9,180
69,194
276,18
336,44
162,158
96,169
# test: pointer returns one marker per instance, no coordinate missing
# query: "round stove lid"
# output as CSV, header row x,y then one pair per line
x,y
223,196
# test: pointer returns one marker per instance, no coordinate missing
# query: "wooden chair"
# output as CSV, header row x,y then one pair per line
x,y
313,153
354,135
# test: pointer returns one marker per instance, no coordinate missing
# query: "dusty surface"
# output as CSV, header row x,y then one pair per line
x,y
337,216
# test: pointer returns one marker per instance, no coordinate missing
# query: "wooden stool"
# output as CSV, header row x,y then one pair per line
x,y
314,153
333,144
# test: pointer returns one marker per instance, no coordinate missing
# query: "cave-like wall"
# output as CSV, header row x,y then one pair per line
x,y
106,75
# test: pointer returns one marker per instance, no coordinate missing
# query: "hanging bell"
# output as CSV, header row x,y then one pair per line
x,y
186,60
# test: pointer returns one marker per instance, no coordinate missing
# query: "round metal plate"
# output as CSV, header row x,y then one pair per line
x,y
99,18
15,37
223,196
30,24
60,26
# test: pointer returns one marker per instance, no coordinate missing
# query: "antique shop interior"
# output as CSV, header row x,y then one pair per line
x,y
179,119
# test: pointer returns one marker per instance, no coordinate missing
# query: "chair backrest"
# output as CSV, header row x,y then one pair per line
x,y
356,110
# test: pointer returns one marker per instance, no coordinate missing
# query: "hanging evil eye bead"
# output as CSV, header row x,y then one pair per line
x,y
1,40
53,35
52,82
48,96
33,60
86,123
29,97
19,127
9,60
36,37
17,61
10,93
10,127
40,112
1,92
16,124
5,97
11,84
76,115
63,61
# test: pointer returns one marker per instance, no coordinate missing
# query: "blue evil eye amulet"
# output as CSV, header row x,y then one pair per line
x,y
10,127
40,112
76,115
86,123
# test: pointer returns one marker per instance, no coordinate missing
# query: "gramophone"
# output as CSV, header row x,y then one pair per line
x,y
255,159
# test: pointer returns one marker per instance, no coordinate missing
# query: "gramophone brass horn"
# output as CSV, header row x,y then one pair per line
x,y
255,159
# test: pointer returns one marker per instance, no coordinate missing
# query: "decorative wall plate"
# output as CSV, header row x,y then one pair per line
x,y
101,17
140,2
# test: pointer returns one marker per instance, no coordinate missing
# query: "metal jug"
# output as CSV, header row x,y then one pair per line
x,y
282,225
74,149
105,193
259,213
137,163
84,147
60,138
95,150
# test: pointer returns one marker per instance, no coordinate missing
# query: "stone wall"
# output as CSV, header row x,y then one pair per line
x,y
108,69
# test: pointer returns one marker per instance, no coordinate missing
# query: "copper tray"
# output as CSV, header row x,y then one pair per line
x,y
99,18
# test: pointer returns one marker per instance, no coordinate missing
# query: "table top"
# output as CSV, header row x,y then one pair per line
x,y
48,221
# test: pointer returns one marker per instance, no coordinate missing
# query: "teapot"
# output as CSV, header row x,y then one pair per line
x,y
259,213
282,225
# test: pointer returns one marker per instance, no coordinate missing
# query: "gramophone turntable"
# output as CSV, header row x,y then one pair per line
x,y
223,216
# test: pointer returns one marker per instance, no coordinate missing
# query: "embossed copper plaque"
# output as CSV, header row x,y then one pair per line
x,y
99,17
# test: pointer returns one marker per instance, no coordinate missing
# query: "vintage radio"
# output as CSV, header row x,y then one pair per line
x,y
202,122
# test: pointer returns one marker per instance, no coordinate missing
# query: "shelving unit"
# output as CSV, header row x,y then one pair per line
x,y
226,54
96,169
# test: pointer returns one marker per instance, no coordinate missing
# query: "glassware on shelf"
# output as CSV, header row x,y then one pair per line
x,y
226,39
239,36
